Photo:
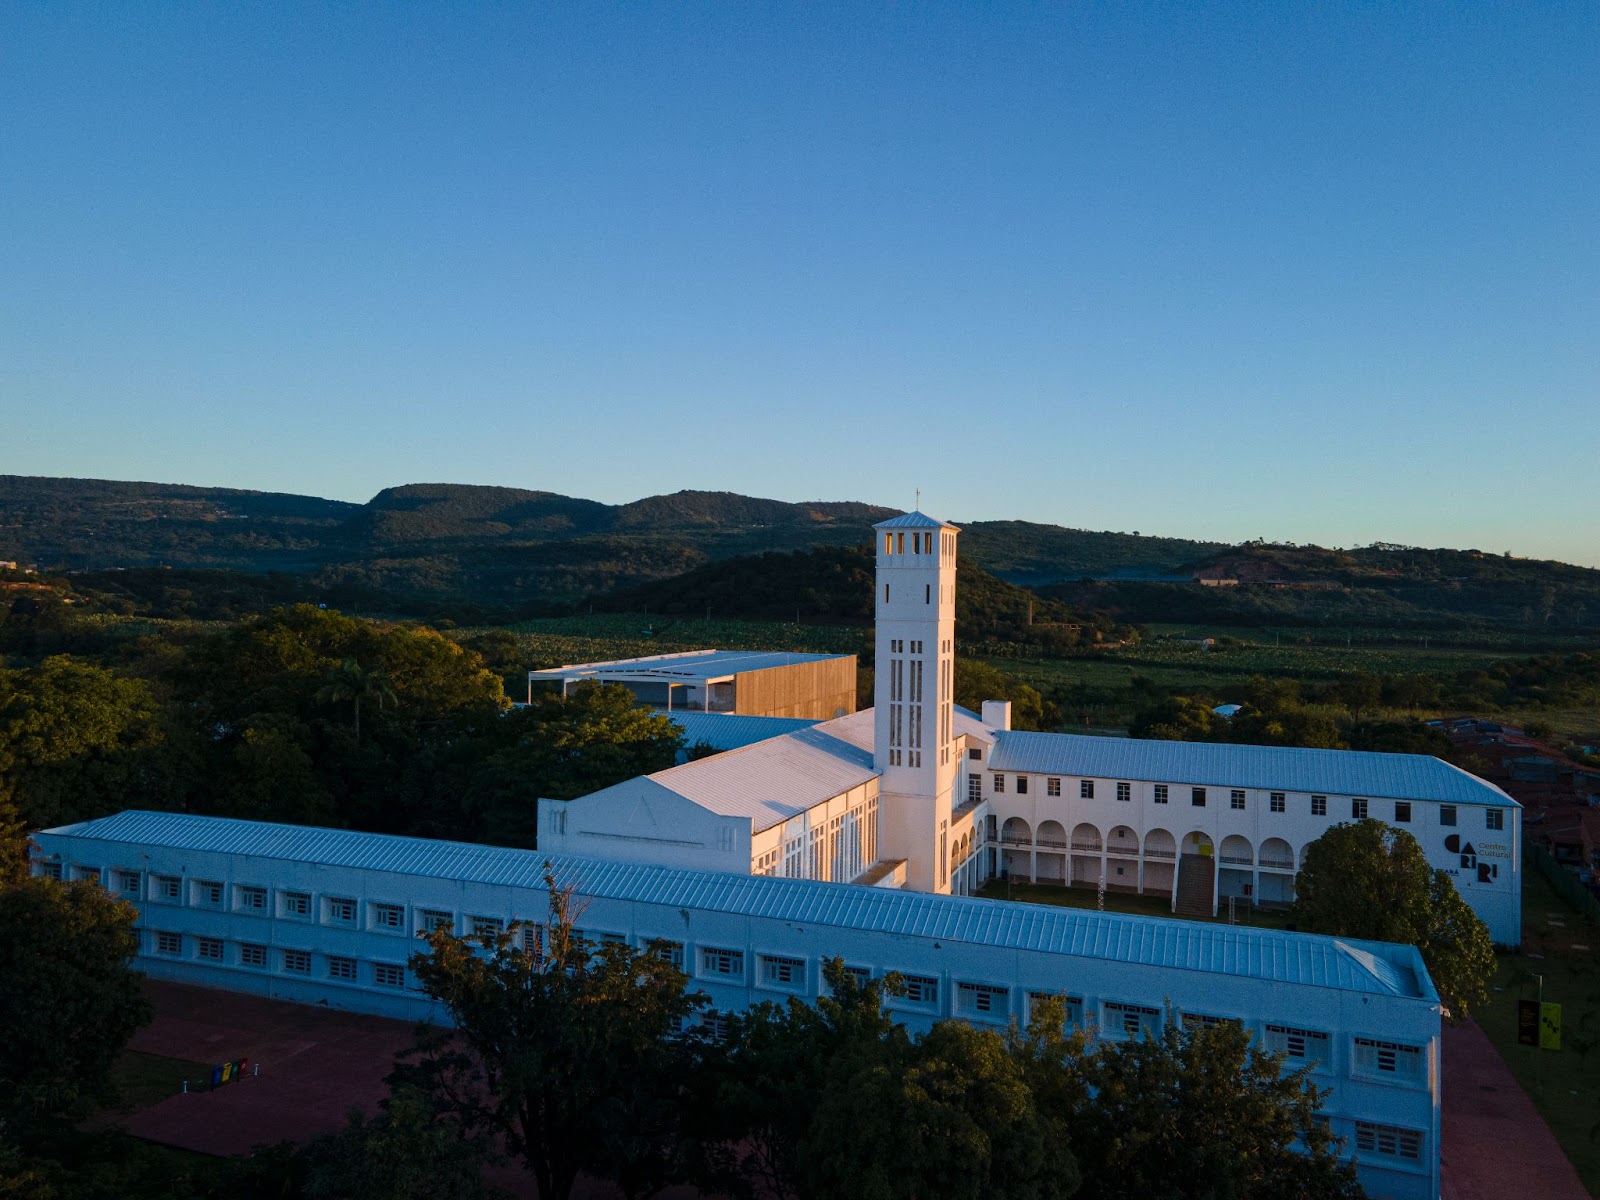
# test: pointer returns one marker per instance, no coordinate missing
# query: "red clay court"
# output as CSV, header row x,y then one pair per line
x,y
317,1063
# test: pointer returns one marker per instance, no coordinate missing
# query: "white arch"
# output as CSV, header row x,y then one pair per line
x,y
1086,836
1122,840
1275,852
1158,843
1197,841
1016,830
1051,834
1237,851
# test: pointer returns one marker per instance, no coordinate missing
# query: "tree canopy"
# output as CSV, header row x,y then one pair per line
x,y
1366,879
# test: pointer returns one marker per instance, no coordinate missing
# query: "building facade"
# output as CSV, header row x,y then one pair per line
x,y
331,917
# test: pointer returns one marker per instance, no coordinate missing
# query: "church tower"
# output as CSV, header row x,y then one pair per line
x,y
914,691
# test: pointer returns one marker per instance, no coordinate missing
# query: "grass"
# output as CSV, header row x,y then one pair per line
x,y
1124,902
1563,1084
144,1079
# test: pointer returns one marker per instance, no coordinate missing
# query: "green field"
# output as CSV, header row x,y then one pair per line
x,y
145,1079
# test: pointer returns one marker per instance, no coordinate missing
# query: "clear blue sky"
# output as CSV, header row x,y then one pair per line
x,y
1309,272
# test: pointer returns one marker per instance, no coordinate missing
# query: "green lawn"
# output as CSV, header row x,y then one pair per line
x,y
144,1079
1562,1083
1124,902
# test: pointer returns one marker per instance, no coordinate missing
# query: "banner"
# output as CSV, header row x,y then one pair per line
x,y
1527,1022
1550,1026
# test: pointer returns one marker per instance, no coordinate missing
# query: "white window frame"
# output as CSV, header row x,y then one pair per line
x,y
1299,1045
382,911
340,910
717,962
922,991
1388,1141
249,898
168,944
1277,802
984,1000
209,949
342,968
294,906
388,975
166,889
253,955
296,962
782,971
1127,1020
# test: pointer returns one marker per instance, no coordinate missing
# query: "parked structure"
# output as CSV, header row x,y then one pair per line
x,y
325,916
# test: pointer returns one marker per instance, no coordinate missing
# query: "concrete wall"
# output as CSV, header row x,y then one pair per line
x,y
638,820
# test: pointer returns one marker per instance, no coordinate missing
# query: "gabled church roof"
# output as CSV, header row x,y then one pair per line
x,y
914,520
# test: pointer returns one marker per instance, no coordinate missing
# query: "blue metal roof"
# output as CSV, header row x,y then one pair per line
x,y
1372,967
729,731
1278,768
914,520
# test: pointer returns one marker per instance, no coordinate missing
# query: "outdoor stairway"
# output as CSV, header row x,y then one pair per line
x,y
1197,881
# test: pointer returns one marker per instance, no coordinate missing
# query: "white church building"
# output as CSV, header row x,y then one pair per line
x,y
915,792
862,837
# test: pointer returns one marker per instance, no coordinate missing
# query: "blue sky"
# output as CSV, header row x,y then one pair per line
x,y
1314,273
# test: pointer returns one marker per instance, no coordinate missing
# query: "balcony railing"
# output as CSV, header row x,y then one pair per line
x,y
1052,843
1277,864
1149,853
1093,846
1243,860
1016,839
1123,851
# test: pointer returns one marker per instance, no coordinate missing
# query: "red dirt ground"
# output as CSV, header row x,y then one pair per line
x,y
1496,1146
317,1063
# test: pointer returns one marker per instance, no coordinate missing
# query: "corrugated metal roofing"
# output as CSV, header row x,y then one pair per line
x,y
1281,768
914,520
856,728
1370,967
690,664
729,731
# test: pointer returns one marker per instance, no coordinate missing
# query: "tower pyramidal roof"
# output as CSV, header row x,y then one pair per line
x,y
914,520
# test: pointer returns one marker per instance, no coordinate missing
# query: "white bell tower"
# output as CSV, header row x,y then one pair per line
x,y
914,694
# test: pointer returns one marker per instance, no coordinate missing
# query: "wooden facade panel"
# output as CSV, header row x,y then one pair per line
x,y
818,690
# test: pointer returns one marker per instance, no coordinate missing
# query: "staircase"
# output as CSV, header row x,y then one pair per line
x,y
1197,886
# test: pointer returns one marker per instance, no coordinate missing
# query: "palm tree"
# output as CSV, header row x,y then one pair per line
x,y
351,681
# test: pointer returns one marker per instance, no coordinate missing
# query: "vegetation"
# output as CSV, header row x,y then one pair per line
x,y
1369,880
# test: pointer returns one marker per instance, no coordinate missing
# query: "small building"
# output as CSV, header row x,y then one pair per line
x,y
748,682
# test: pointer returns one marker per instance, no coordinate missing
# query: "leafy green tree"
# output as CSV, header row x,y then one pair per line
x,y
977,681
74,739
1366,879
68,1000
1202,1114
567,1056
352,682
408,1151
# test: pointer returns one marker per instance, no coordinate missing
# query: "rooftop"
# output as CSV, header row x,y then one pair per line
x,y
1346,965
730,731
1281,768
914,520
684,667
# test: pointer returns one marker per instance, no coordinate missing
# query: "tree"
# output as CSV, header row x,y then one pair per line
x,y
353,682
68,1000
1365,879
1201,1113
568,1056
408,1151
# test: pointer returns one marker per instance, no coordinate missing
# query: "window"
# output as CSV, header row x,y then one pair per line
x,y
862,975
1358,809
251,955
1236,799
783,972
974,752
1205,1020
341,911
296,904
389,975
1388,1141
1388,1060
489,926
999,783
1022,785
1086,789
1052,786
1161,793
974,788
209,949
1125,792
922,989
716,1027
250,899
165,887
1072,1006
169,944
87,874
388,916
727,963
48,870
1130,1020
1277,802
1197,797
430,919
208,893
1447,814
1319,806
297,962
982,999
671,951
1402,812
128,882
1304,1044
342,968
1494,818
